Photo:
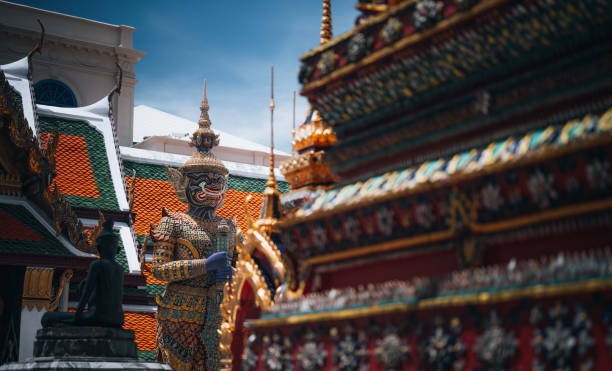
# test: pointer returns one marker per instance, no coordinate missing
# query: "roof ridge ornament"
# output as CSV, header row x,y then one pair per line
x,y
39,45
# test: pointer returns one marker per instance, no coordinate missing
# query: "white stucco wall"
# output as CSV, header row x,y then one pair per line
x,y
79,52
30,323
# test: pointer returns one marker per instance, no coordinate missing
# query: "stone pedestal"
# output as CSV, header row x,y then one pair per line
x,y
84,348
85,342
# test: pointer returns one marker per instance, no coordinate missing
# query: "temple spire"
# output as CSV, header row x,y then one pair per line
x,y
326,22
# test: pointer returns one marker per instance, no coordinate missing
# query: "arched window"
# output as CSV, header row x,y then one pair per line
x,y
54,93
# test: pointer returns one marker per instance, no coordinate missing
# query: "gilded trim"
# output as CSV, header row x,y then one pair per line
x,y
548,215
189,245
534,292
535,157
544,216
386,51
382,247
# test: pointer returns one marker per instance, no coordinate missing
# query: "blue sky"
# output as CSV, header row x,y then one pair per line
x,y
230,43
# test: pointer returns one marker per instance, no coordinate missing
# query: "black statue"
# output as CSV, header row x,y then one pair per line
x,y
102,290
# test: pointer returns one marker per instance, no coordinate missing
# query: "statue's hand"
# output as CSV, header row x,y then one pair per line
x,y
225,274
219,264
217,261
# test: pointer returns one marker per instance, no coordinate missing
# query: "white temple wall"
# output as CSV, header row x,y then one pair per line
x,y
78,52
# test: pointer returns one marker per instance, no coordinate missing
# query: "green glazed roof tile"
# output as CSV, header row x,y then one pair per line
x,y
21,233
95,189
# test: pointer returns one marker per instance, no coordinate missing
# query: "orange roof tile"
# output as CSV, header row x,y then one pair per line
x,y
149,276
74,173
150,195
143,325
233,206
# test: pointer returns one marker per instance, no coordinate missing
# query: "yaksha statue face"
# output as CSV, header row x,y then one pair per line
x,y
205,189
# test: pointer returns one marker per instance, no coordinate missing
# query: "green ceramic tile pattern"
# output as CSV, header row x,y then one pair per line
x,y
49,245
153,289
239,183
120,257
147,355
146,171
18,98
96,156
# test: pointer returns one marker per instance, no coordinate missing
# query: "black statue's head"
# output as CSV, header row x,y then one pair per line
x,y
107,242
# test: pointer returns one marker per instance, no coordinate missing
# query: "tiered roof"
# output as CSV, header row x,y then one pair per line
x,y
469,164
426,75
548,174
454,119
89,168
38,226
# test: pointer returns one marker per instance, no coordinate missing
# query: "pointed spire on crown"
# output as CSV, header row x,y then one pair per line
x,y
204,139
204,121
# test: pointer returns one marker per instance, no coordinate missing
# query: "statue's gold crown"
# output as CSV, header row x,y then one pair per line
x,y
204,139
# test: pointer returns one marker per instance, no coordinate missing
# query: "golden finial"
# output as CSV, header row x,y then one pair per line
x,y
204,121
271,179
271,207
326,22
293,131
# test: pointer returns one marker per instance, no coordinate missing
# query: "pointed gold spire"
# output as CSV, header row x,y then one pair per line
x,y
204,121
271,207
326,22
271,178
204,139
312,137
293,131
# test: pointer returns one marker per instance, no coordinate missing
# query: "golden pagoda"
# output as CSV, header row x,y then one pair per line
x,y
312,138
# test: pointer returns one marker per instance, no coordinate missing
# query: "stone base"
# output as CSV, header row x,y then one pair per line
x,y
84,348
84,363
81,341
